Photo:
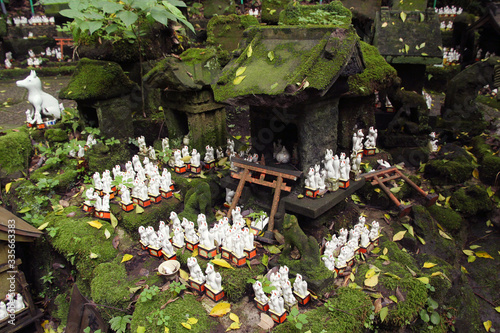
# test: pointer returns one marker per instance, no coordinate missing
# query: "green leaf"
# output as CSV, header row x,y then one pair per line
x,y
272,249
435,318
265,260
403,16
270,55
399,236
238,80
423,279
24,210
128,18
424,315
114,221
395,189
471,258
444,234
421,240
274,85
473,247
161,15
409,228
111,7
422,17
383,313
394,298
468,252
432,303
249,51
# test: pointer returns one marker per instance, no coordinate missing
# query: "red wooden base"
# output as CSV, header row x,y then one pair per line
x,y
311,192
303,300
167,257
239,262
142,203
195,284
369,151
105,215
155,199
29,125
261,306
88,209
128,207
344,183
188,166
226,254
227,205
180,169
155,251
166,194
40,126
207,253
340,270
172,187
143,246
111,194
362,250
191,246
278,318
255,231
214,296
196,169
250,254
210,165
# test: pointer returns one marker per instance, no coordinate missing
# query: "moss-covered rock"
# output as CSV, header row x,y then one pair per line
x,y
226,31
345,312
333,13
471,200
218,7
197,201
56,135
97,80
101,157
309,264
489,163
447,172
77,240
446,217
178,311
15,151
62,302
271,10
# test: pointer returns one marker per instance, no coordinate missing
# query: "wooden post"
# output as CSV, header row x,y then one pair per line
x,y
239,189
276,200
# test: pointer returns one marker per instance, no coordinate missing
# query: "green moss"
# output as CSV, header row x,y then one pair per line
x,y
345,312
101,157
271,10
229,27
179,311
56,135
489,163
15,151
97,80
446,172
333,13
415,297
437,77
399,256
446,217
196,55
62,302
471,200
76,238
377,75
197,200
235,282
109,285
218,7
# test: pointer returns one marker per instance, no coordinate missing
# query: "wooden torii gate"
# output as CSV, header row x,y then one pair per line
x,y
278,184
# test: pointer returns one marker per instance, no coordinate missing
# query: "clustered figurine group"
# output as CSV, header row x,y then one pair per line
x,y
235,243
15,303
340,251
34,20
281,294
337,171
143,179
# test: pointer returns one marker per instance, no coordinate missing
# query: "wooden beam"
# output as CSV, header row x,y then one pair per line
x,y
239,189
262,182
287,174
276,200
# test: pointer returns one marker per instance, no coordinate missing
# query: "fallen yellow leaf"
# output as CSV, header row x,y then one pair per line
x,y
220,309
464,270
195,253
186,325
399,236
107,233
482,254
238,79
127,257
234,317
43,226
487,325
234,326
429,265
423,279
437,273
96,224
192,321
240,71
475,173
369,273
222,262
372,281
7,187
184,275
444,234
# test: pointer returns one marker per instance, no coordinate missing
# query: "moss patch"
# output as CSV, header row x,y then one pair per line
x,y
62,302
227,31
489,163
101,157
56,135
76,239
15,151
446,172
471,200
178,310
378,74
333,13
97,80
446,217
332,316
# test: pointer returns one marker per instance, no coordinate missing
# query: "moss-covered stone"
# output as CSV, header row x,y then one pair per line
x,y
97,80
489,163
446,217
333,13
446,172
15,151
115,116
218,7
101,157
271,9
197,201
377,75
309,264
62,302
471,200
438,77
226,31
76,239
345,312
178,311
56,135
